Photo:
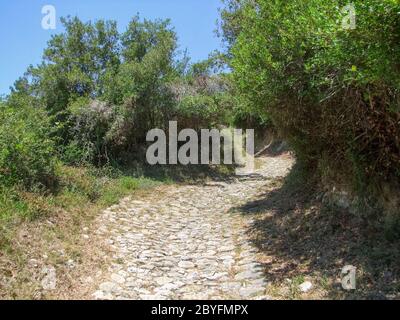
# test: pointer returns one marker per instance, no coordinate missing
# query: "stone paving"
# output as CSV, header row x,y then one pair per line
x,y
186,241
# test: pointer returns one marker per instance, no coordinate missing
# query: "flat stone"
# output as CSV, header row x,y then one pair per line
x,y
108,286
192,276
186,264
226,257
228,263
143,291
226,248
217,276
305,286
163,280
247,275
100,295
231,286
117,278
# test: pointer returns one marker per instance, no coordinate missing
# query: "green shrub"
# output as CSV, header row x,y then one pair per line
x,y
202,101
104,90
333,92
26,151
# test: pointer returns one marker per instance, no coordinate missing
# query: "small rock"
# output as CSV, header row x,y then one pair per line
x,y
88,279
142,291
192,276
117,278
163,280
228,263
71,263
216,276
169,287
186,264
305,286
99,295
210,253
108,286
227,257
246,275
33,262
226,248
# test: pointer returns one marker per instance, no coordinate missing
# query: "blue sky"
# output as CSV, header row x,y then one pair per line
x,y
23,38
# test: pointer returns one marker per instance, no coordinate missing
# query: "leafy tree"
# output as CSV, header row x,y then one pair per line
x,y
74,65
92,62
213,65
333,92
103,91
140,87
232,19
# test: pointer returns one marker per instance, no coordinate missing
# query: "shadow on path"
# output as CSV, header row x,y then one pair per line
x,y
300,239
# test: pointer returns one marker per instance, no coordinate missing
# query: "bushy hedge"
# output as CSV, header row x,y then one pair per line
x,y
104,90
332,90
202,101
26,151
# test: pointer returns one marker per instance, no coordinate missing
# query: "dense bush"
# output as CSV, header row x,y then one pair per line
x,y
89,123
26,151
202,101
332,91
139,90
104,90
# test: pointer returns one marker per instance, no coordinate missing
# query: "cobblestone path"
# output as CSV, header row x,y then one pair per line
x,y
186,241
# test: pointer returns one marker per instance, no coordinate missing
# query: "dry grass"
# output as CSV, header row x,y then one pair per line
x,y
55,230
58,229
